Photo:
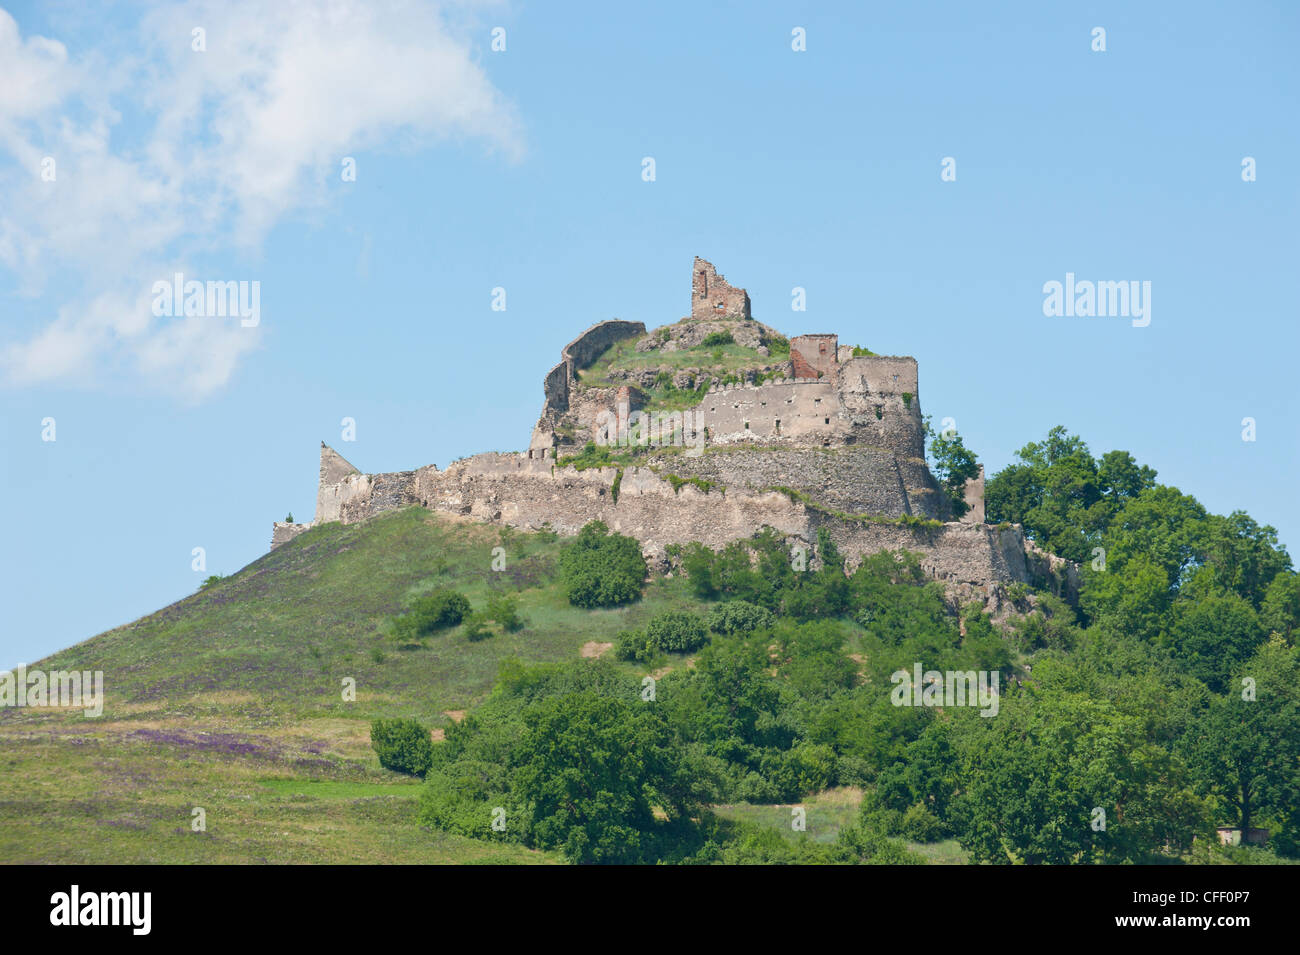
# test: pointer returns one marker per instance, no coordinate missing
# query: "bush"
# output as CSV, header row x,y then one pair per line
x,y
436,611
739,616
601,569
717,338
630,645
402,745
920,824
676,631
505,611
476,627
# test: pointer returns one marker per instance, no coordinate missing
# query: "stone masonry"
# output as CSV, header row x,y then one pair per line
x,y
839,446
712,297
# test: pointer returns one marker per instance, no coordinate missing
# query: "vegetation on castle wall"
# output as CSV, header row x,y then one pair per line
x,y
902,520
678,482
952,464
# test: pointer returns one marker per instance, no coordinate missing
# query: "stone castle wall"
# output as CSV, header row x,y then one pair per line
x,y
531,494
845,433
815,356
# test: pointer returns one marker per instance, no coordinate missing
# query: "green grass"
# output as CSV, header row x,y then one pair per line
x,y
728,362
123,791
231,700
825,814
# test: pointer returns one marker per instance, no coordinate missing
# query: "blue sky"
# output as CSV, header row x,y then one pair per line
x,y
522,169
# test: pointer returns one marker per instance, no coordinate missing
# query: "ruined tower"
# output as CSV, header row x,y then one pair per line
x,y
713,297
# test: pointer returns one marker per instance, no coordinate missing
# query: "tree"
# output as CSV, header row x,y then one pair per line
x,y
953,465
1245,746
1040,778
1281,611
591,769
1213,636
602,569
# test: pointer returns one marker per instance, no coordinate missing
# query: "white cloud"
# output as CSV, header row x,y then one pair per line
x,y
164,153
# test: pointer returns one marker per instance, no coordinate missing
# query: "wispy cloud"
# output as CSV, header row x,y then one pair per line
x,y
163,154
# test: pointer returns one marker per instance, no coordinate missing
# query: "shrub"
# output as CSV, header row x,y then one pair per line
x,y
739,616
676,631
630,645
437,611
402,745
505,611
600,569
476,627
717,338
920,824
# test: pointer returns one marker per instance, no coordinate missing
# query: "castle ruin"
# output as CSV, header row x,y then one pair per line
x,y
822,438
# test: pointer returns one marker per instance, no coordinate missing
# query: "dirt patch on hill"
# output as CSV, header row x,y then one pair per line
x,y
592,649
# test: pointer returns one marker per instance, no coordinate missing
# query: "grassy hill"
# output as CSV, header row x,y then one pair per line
x,y
231,700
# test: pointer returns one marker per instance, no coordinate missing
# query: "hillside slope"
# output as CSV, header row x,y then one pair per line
x,y
230,700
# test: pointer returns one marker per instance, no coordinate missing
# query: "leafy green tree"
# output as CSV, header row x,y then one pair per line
x,y
1214,636
1281,611
1245,746
1244,556
602,569
591,769
953,465
402,745
1038,776
433,612
504,609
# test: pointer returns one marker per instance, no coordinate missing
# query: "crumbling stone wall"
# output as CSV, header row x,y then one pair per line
x,y
973,495
591,344
778,412
282,532
846,433
815,356
335,473
713,297
851,479
559,386
531,494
